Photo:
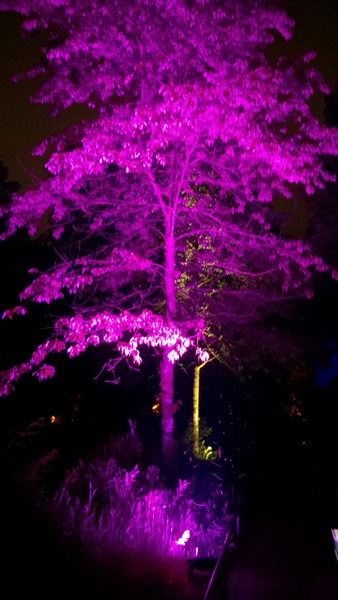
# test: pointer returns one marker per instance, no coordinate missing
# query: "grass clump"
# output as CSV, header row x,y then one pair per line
x,y
123,521
114,509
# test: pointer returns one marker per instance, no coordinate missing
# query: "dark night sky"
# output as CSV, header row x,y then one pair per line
x,y
23,125
316,29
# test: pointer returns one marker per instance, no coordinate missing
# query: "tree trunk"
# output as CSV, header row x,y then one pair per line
x,y
196,410
167,404
196,407
167,368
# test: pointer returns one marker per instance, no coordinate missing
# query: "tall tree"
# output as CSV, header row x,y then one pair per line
x,y
165,199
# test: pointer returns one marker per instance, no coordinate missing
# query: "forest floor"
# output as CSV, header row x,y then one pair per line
x,y
33,563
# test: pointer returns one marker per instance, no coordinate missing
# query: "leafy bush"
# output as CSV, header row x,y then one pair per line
x,y
203,451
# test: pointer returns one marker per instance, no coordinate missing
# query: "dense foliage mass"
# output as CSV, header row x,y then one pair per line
x,y
164,199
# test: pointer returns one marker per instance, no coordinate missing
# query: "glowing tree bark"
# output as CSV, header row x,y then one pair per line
x,y
167,366
165,197
196,407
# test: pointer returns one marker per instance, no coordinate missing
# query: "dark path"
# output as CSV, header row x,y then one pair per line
x,y
286,549
281,559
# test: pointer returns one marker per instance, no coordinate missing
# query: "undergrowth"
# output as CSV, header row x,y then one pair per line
x,y
114,504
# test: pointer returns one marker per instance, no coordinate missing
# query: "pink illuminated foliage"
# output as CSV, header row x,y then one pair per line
x,y
126,331
165,199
